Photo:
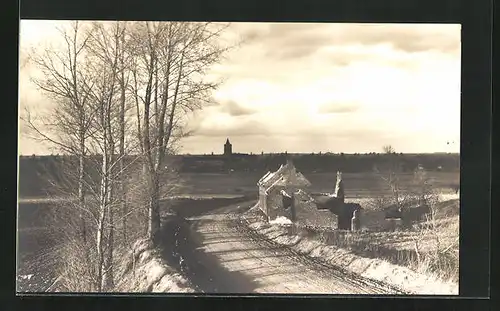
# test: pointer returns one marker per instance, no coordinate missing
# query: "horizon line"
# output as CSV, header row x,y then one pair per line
x,y
259,154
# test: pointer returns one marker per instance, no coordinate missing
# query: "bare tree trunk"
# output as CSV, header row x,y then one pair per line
x,y
123,194
100,227
81,132
81,189
103,206
154,208
417,251
122,154
108,275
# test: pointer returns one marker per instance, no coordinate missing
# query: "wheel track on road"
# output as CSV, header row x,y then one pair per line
x,y
326,269
227,221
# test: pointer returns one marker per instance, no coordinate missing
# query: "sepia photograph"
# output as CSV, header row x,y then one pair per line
x,y
238,158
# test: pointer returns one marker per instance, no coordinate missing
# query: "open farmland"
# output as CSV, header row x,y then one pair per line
x,y
35,172
357,185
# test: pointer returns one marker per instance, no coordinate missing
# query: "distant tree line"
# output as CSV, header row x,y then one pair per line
x,y
349,163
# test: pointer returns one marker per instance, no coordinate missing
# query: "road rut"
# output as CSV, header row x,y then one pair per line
x,y
224,257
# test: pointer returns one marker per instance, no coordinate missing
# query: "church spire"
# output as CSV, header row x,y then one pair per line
x,y
228,148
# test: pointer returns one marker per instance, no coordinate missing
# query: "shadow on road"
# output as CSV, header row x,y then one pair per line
x,y
181,249
218,255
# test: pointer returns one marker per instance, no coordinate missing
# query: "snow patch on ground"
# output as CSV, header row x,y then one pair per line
x,y
143,270
287,240
448,196
376,269
26,277
281,220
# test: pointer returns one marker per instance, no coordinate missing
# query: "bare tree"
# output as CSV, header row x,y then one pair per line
x,y
410,200
123,80
76,272
389,173
401,198
64,80
423,188
171,60
107,49
93,81
388,149
86,82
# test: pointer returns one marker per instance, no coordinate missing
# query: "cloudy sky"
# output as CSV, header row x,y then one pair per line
x,y
319,87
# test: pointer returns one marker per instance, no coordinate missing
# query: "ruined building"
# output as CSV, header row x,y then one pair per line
x,y
282,193
335,203
277,191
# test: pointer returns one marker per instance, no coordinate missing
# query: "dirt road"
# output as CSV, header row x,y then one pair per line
x,y
221,256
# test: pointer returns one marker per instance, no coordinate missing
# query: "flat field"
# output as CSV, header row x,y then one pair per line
x,y
357,185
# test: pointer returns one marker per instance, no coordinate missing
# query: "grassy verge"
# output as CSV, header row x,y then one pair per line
x,y
397,248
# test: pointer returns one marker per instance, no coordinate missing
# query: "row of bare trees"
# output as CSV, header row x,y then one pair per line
x,y
404,195
435,238
120,94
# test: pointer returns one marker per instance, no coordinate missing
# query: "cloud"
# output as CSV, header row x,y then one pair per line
x,y
270,32
234,126
290,124
444,39
406,38
338,108
299,40
283,41
300,53
234,109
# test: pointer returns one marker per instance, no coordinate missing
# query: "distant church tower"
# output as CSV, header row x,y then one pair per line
x,y
228,148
